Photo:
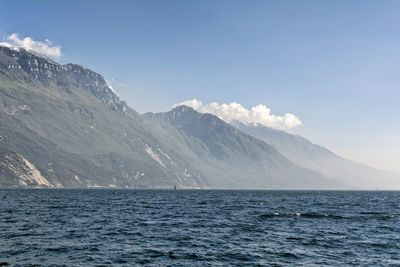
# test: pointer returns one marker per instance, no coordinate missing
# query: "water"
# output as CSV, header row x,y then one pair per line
x,y
198,228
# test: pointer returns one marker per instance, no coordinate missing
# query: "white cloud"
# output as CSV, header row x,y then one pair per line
x,y
44,48
234,111
194,104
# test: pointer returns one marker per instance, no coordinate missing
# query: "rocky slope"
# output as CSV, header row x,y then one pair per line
x,y
17,171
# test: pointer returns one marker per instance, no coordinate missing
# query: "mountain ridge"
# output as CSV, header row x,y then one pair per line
x,y
76,132
20,62
237,154
68,115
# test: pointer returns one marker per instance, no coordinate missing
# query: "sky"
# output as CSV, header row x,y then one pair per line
x,y
333,65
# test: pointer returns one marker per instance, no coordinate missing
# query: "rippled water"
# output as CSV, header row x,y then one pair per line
x,y
205,227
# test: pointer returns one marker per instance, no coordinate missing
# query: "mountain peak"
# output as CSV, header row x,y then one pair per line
x,y
22,64
183,108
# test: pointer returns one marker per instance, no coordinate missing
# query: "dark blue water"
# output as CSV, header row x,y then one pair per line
x,y
151,227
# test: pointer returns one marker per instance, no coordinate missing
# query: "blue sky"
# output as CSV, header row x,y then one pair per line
x,y
334,64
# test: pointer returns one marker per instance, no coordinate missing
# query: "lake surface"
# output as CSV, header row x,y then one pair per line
x,y
199,227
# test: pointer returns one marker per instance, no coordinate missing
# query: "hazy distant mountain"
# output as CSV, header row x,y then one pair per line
x,y
315,157
226,157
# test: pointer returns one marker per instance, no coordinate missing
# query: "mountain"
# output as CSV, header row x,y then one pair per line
x,y
224,156
304,153
74,129
62,126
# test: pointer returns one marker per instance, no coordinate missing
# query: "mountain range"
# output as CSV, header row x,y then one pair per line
x,y
62,126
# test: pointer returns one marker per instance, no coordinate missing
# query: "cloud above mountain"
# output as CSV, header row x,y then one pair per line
x,y
234,111
45,48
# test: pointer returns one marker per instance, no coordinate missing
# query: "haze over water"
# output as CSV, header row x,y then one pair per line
x,y
197,228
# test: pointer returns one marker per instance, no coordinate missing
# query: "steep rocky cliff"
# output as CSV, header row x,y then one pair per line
x,y
17,63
